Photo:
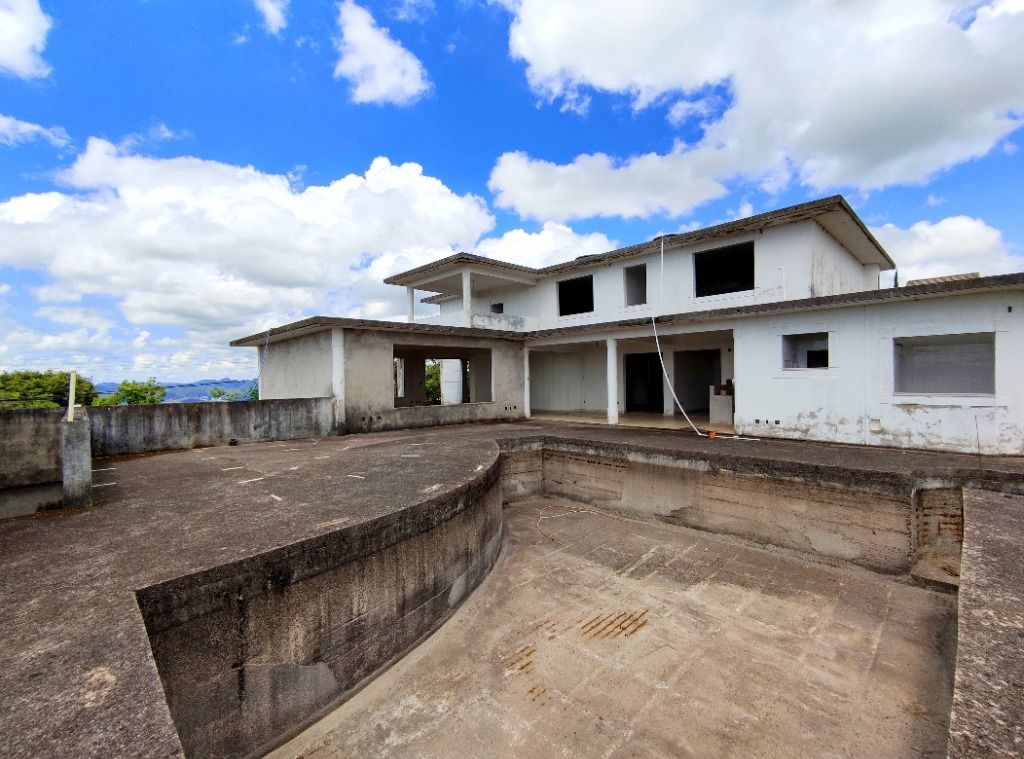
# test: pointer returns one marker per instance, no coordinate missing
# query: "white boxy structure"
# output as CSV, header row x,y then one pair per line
x,y
773,326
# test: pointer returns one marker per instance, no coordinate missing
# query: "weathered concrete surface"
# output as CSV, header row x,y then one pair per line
x,y
127,430
988,701
598,636
76,461
867,524
77,677
249,651
29,447
76,674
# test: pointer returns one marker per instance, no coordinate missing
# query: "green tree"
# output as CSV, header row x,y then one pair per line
x,y
131,393
47,389
220,394
432,383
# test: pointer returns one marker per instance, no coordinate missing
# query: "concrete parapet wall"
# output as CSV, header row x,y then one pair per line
x,y
824,511
30,447
362,419
124,430
250,651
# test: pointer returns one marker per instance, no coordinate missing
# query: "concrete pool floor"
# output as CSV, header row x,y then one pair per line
x,y
597,635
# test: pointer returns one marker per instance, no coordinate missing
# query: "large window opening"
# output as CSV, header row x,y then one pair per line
x,y
806,351
576,296
434,375
945,364
636,284
724,270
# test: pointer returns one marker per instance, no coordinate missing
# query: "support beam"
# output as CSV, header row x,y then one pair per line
x,y
613,380
411,294
526,382
467,298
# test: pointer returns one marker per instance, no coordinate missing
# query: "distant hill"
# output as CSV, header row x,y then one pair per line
x,y
189,392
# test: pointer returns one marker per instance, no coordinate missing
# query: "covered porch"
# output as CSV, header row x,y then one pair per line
x,y
623,380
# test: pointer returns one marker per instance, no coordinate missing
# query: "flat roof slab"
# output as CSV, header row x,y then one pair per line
x,y
602,636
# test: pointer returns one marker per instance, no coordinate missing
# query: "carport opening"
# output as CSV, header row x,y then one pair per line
x,y
724,270
434,375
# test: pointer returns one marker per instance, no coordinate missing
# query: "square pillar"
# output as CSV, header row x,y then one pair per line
x,y
669,357
411,307
467,298
526,382
76,460
612,349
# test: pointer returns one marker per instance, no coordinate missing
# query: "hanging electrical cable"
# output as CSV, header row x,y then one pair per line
x,y
657,343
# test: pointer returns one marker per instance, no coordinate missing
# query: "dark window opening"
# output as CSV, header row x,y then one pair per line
x,y
945,364
805,351
636,284
724,270
576,296
497,308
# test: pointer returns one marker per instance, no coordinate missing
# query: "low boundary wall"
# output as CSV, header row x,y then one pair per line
x,y
126,430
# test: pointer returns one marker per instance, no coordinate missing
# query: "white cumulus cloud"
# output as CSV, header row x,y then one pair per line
x,y
830,95
16,132
379,69
23,30
554,243
136,247
599,185
273,12
954,245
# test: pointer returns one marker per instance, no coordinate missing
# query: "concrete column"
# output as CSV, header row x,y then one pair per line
x,y
76,460
526,382
467,298
411,312
667,381
612,349
338,378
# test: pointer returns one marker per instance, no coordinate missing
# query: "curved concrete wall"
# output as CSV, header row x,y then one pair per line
x,y
250,652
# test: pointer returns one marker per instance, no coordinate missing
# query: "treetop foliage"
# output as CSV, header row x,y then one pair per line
x,y
49,389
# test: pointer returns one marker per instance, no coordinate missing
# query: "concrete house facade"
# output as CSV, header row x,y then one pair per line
x,y
774,325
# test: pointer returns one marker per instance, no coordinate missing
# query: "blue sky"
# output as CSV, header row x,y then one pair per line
x,y
176,173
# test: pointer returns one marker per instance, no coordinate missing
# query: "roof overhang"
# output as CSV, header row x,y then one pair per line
x,y
444,277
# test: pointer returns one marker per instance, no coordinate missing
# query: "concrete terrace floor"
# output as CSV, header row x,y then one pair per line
x,y
596,635
77,677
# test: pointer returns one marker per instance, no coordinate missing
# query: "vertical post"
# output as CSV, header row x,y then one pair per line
x,y
526,381
411,310
668,405
613,380
71,398
467,298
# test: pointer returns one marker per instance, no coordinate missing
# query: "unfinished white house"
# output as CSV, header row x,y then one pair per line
x,y
772,326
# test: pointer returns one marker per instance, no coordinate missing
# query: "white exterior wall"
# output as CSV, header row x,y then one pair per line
x,y
569,381
794,261
853,400
299,368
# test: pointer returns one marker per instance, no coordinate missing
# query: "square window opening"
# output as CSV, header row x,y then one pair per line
x,y
962,364
724,270
576,296
437,375
497,308
805,351
635,278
